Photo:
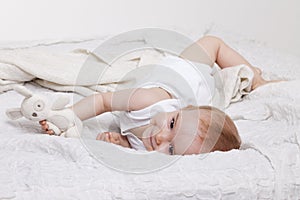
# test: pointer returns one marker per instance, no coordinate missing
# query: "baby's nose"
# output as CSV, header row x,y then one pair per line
x,y
162,136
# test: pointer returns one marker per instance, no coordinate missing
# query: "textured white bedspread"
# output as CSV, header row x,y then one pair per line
x,y
37,166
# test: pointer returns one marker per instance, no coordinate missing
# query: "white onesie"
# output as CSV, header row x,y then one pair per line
x,y
188,83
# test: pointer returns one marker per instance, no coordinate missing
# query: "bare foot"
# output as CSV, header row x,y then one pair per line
x,y
258,80
258,70
261,82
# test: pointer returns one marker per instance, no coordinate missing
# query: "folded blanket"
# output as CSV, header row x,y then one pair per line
x,y
62,72
237,82
85,73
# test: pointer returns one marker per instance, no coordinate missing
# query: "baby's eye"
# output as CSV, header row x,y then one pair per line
x,y
171,149
172,123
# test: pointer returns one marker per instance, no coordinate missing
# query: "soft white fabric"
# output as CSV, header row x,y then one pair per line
x,y
60,71
83,72
134,141
268,166
192,76
36,166
237,82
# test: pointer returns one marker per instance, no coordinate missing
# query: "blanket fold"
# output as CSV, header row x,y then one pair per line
x,y
83,72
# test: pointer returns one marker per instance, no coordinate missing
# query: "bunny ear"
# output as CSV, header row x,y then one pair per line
x,y
23,91
14,113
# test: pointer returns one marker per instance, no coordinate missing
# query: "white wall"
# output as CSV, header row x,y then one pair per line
x,y
274,21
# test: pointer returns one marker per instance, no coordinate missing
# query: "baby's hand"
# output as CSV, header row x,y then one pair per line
x,y
45,127
115,138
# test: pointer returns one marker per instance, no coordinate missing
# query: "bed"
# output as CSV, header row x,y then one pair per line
x,y
39,166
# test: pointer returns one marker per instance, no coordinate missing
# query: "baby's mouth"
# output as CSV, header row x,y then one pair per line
x,y
152,137
151,142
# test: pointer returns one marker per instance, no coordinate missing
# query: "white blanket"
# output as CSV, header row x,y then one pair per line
x,y
56,71
84,72
37,166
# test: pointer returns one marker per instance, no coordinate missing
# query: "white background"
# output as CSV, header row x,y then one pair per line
x,y
275,22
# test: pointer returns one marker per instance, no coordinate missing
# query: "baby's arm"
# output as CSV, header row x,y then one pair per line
x,y
217,51
123,100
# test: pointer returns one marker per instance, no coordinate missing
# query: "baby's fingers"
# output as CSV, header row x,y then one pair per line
x,y
104,137
50,132
43,122
44,125
115,139
99,136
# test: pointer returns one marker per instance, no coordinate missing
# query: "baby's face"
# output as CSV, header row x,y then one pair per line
x,y
174,133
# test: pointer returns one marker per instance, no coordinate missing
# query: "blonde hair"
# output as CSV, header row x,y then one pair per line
x,y
217,130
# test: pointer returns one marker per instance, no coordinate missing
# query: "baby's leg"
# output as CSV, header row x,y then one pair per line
x,y
219,52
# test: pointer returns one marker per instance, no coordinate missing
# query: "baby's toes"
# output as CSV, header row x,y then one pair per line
x,y
258,70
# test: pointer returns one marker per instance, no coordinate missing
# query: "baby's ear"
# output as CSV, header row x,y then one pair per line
x,y
14,113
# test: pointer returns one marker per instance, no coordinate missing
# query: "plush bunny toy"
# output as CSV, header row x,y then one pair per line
x,y
35,107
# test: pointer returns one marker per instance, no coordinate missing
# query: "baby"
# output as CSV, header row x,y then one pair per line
x,y
154,117
191,130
